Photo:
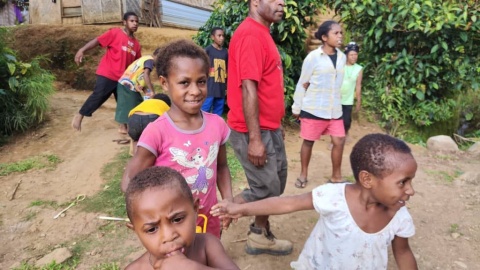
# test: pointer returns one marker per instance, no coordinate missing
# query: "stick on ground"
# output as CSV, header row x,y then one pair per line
x,y
15,190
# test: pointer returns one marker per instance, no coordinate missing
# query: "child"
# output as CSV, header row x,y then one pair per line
x,y
357,221
217,77
122,48
352,84
185,138
162,213
134,80
145,113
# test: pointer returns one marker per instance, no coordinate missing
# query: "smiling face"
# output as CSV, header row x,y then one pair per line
x,y
269,11
395,189
352,57
186,84
334,37
164,221
131,24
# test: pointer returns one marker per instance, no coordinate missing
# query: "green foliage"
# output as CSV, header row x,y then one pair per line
x,y
420,56
289,34
36,162
24,90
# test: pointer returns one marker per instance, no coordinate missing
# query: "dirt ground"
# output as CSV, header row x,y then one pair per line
x,y
445,208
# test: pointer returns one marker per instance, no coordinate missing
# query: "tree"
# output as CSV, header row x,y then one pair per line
x,y
289,35
420,56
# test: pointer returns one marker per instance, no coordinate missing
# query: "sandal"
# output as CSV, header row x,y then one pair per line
x,y
301,183
121,141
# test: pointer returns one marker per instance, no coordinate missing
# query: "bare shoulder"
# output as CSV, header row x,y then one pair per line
x,y
140,264
215,253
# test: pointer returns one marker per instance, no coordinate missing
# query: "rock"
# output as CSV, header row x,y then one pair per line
x,y
460,264
442,143
59,255
474,149
455,235
472,178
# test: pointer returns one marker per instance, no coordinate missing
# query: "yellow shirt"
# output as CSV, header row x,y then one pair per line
x,y
151,106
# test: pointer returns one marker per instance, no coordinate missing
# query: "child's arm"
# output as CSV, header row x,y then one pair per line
x,y
216,258
142,160
148,82
265,207
403,254
90,45
224,179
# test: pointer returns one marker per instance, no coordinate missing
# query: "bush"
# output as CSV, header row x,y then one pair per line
x,y
24,90
289,34
421,56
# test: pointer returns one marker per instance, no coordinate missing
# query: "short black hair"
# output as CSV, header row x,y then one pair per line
x,y
156,177
179,48
128,14
214,30
164,98
375,153
324,28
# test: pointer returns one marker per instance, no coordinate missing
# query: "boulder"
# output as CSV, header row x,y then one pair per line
x,y
441,143
59,255
474,149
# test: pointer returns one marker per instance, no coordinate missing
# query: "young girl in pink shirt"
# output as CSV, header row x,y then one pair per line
x,y
185,138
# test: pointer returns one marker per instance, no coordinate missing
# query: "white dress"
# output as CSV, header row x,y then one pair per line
x,y
337,242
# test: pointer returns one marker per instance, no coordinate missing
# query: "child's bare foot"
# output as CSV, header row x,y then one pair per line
x,y
77,122
122,129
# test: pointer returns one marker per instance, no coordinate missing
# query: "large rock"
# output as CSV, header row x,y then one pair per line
x,y
442,143
59,255
474,149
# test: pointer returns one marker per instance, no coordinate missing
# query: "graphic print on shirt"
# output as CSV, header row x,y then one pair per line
x,y
217,72
129,48
199,159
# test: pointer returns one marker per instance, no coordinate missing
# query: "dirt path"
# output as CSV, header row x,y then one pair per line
x,y
446,209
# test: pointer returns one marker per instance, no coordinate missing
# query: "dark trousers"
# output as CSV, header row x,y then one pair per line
x,y
104,87
347,117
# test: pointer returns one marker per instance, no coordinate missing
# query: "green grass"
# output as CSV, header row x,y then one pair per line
x,y
29,216
234,165
448,177
52,204
36,162
454,228
70,265
110,200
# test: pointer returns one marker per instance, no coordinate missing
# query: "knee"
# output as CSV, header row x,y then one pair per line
x,y
308,143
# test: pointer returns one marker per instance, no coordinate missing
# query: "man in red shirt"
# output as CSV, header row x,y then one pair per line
x,y
256,101
122,49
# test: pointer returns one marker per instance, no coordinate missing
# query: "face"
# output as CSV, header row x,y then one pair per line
x,y
164,221
271,11
186,84
218,37
131,24
352,57
334,36
395,189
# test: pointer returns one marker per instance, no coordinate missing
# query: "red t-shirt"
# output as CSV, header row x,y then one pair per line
x,y
253,55
121,52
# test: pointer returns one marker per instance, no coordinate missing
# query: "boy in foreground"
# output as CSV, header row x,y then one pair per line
x,y
163,214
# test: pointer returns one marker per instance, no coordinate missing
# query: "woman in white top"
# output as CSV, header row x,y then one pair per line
x,y
317,99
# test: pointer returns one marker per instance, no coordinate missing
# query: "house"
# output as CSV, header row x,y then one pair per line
x,y
178,13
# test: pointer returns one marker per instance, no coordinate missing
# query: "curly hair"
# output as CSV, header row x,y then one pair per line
x,y
156,177
179,48
128,14
375,153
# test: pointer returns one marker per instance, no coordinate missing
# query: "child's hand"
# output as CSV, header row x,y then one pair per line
x,y
226,221
173,261
226,209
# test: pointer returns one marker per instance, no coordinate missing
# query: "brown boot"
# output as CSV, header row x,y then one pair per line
x,y
261,240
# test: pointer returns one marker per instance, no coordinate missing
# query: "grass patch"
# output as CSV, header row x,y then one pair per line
x,y
110,200
233,164
52,204
454,228
446,176
36,162
29,216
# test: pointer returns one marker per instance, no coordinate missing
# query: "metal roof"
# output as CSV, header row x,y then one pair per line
x,y
181,15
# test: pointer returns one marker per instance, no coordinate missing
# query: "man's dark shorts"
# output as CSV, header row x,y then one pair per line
x,y
137,123
269,180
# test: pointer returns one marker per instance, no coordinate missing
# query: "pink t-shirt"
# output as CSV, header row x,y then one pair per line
x,y
193,153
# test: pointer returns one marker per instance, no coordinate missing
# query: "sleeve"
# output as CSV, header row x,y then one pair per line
x,y
225,131
406,228
250,55
318,198
151,139
306,74
148,64
107,38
